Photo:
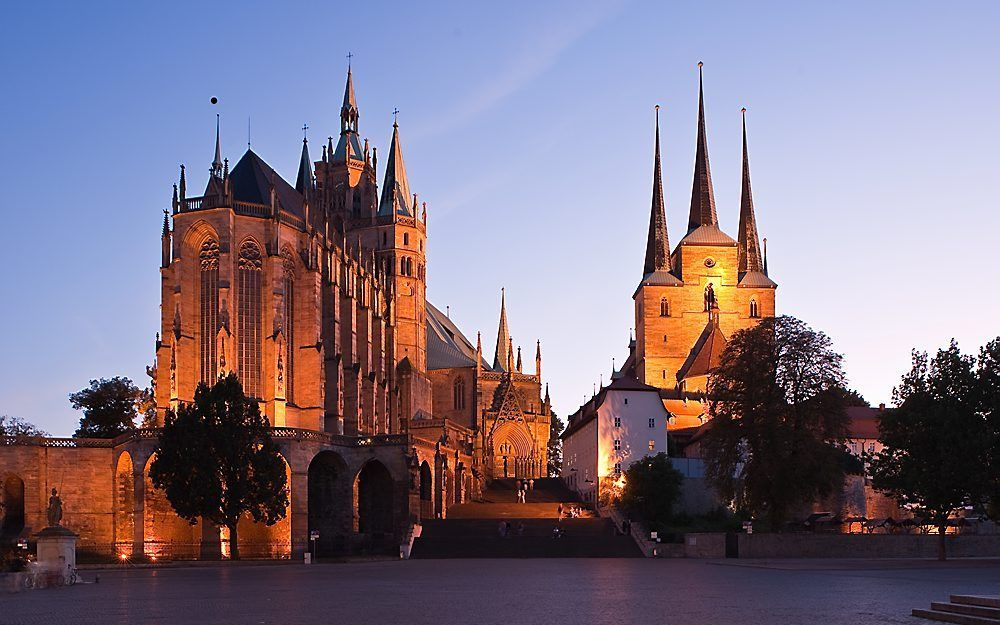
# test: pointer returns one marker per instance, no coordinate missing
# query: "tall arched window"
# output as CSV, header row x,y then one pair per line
x,y
753,309
664,307
249,317
459,394
288,283
208,308
402,266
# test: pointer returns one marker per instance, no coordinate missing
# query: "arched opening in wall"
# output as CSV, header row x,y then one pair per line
x,y
375,501
664,307
124,504
329,502
249,317
272,542
512,451
165,533
208,308
13,508
754,313
426,488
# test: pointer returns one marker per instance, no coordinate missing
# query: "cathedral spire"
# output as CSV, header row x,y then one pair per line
x,y
304,181
217,162
501,357
349,109
749,244
702,196
657,242
396,196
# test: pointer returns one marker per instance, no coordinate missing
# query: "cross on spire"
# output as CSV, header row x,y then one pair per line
x,y
305,130
395,112
350,55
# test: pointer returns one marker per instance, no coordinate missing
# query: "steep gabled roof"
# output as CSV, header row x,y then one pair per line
x,y
447,347
251,181
706,354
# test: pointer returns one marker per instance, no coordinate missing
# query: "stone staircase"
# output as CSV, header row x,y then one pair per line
x,y
472,530
965,610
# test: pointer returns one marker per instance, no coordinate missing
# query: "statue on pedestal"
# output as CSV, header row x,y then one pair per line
x,y
55,511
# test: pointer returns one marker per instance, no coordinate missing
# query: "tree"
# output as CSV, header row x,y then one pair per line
x,y
988,373
555,455
652,487
216,460
776,439
16,427
937,442
109,407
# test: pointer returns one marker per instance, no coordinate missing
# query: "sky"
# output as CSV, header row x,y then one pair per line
x,y
527,127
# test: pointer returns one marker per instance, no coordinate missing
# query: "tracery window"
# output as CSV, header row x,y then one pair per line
x,y
664,307
249,327
289,327
208,307
754,313
459,394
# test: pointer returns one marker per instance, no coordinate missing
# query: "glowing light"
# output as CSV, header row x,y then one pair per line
x,y
123,557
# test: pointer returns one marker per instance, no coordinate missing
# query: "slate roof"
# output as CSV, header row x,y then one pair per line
x,y
862,422
447,347
707,235
588,411
661,278
756,279
251,181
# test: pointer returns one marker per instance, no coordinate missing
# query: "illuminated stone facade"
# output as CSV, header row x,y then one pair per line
x,y
314,294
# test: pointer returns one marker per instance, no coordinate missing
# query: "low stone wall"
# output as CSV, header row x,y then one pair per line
x,y
842,546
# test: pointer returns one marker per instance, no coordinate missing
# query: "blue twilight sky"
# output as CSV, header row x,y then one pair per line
x,y
527,128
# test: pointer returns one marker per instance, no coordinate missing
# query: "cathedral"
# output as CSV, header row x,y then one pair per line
x,y
314,294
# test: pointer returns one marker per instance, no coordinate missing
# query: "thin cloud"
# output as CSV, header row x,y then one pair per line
x,y
530,61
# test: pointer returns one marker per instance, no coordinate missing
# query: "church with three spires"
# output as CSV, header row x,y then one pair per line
x,y
689,299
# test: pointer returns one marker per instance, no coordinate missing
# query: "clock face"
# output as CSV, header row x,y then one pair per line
x,y
710,262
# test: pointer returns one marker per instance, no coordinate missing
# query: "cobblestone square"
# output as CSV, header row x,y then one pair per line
x,y
521,592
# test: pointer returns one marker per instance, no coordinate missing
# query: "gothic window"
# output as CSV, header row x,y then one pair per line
x,y
209,307
402,266
664,307
249,328
289,327
406,238
409,266
753,309
385,238
459,394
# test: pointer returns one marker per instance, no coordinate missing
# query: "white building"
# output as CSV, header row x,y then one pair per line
x,y
624,422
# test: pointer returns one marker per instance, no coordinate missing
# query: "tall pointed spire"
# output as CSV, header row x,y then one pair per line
x,y
748,252
501,357
217,161
304,180
657,242
396,196
349,145
702,195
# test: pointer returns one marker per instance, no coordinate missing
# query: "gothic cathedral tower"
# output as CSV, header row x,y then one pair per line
x,y
710,287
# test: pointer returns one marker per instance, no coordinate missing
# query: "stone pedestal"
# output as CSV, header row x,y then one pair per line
x,y
56,549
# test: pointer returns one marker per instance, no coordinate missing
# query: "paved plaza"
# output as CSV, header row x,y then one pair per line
x,y
521,592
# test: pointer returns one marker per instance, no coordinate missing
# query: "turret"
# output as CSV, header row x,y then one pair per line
x,y
165,242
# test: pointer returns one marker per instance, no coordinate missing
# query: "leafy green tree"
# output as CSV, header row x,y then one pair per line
x,y
776,439
16,427
555,455
216,460
937,443
988,373
109,407
652,487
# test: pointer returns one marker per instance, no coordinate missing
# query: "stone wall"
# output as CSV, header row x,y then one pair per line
x,y
842,545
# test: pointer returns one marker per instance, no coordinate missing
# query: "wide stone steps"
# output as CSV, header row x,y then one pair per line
x,y
964,610
480,538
